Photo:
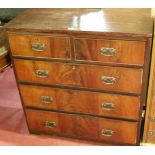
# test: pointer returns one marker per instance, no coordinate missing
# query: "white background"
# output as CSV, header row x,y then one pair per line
x,y
77,3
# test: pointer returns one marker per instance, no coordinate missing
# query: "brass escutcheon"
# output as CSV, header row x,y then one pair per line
x,y
108,80
39,47
108,106
42,73
107,51
106,132
46,99
50,124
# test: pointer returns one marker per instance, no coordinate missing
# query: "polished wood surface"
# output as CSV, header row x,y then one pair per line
x,y
80,75
83,126
149,126
55,46
127,52
126,21
92,102
126,131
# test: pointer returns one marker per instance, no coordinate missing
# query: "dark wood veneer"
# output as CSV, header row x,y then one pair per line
x,y
80,75
84,126
81,101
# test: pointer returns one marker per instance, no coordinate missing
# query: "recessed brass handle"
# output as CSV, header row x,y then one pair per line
x,y
105,132
46,99
108,80
108,106
39,47
107,51
41,73
50,124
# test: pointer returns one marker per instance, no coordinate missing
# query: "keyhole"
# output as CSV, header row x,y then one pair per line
x,y
73,67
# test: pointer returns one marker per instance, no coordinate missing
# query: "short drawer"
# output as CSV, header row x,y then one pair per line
x,y
87,76
40,46
110,51
103,104
83,126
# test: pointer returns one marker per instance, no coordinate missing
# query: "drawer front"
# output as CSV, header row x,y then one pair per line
x,y
81,101
51,122
83,126
117,131
110,51
106,78
107,129
40,46
44,72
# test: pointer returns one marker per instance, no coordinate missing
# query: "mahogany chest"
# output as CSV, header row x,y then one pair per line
x,y
83,73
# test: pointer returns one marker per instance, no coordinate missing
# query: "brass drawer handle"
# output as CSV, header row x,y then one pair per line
x,y
39,47
50,124
108,106
42,73
105,132
107,51
108,80
46,99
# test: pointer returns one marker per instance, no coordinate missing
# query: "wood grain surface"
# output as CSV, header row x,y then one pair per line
x,y
55,46
81,101
113,21
83,126
80,75
126,52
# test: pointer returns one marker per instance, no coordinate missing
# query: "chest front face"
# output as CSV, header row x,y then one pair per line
x,y
81,80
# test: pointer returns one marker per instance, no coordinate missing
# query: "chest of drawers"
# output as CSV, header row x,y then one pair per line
x,y
83,73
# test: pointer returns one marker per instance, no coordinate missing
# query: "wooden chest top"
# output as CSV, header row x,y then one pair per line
x,y
104,21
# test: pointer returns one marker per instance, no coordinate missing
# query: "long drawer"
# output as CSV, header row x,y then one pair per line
x,y
83,126
50,46
86,76
110,51
104,104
